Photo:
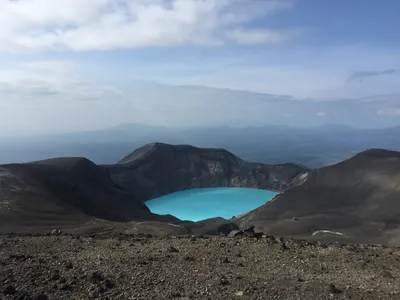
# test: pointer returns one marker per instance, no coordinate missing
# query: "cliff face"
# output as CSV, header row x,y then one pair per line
x,y
358,199
159,169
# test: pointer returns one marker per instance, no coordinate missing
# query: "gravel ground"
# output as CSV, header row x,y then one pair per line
x,y
143,267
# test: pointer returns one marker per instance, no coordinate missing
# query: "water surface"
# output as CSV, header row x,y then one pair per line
x,y
204,203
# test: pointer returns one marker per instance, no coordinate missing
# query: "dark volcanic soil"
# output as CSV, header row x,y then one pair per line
x,y
132,267
358,197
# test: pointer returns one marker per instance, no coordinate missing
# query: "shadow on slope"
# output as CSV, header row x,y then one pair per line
x,y
359,198
66,193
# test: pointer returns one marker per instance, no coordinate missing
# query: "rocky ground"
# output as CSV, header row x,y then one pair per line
x,y
144,267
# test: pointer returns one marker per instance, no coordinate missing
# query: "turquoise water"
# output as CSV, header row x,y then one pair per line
x,y
200,204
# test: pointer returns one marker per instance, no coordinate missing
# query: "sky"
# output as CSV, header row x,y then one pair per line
x,y
68,65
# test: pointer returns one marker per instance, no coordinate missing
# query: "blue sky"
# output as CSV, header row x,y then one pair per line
x,y
82,57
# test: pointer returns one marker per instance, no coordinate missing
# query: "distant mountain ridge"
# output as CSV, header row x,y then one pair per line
x,y
312,147
157,169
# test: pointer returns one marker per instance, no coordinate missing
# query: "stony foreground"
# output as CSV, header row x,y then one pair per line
x,y
132,267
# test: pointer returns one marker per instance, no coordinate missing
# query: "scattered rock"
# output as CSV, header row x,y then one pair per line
x,y
226,260
234,233
69,265
249,230
109,284
250,290
223,281
189,258
9,290
56,232
258,235
237,270
55,276
176,294
387,274
173,250
240,293
333,289
66,287
284,246
96,277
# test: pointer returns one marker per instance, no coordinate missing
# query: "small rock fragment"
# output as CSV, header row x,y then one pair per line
x,y
226,260
333,289
189,258
176,294
173,250
55,276
96,277
223,281
234,233
66,287
109,284
258,235
387,274
69,265
283,246
249,230
240,293
9,290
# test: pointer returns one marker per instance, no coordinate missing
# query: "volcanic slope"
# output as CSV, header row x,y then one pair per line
x,y
66,193
356,200
158,169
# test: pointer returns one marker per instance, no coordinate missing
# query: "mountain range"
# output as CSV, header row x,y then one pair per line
x,y
354,201
312,147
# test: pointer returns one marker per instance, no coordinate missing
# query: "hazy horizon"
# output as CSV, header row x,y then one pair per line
x,y
71,66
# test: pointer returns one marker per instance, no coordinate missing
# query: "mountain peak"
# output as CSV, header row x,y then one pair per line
x,y
379,153
166,150
157,169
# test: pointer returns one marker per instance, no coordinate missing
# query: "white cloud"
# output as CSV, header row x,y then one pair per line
x,y
391,111
57,96
29,25
258,36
